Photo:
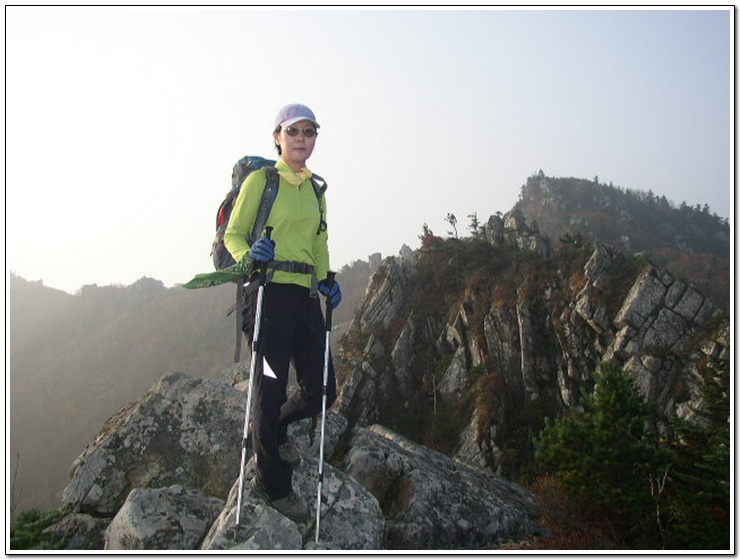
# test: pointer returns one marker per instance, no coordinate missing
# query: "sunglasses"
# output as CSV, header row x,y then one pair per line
x,y
309,132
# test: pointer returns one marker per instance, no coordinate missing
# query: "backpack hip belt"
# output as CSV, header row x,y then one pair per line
x,y
289,266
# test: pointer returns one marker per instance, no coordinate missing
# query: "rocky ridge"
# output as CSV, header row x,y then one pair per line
x,y
163,474
535,328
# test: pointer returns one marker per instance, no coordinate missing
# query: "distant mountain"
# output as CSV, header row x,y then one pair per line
x,y
76,359
691,242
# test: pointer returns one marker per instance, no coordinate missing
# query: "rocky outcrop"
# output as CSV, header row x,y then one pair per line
x,y
433,502
183,431
385,295
154,479
174,518
539,338
657,328
512,229
351,518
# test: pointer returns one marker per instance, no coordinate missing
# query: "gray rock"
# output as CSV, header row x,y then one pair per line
x,y
526,344
665,331
386,295
599,265
453,379
260,526
408,258
306,434
80,531
477,451
174,518
357,398
433,502
500,327
374,348
184,430
402,357
351,518
643,299
236,373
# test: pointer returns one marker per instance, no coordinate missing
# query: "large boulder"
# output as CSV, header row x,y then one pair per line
x,y
174,518
184,430
351,518
433,502
261,527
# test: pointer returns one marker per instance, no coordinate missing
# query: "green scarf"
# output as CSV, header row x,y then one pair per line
x,y
230,274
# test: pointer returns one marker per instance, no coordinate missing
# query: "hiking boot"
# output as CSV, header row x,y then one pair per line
x,y
289,453
291,506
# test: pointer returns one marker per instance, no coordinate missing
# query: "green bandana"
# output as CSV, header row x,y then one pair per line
x,y
230,274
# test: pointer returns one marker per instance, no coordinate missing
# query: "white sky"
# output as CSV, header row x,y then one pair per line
x,y
123,124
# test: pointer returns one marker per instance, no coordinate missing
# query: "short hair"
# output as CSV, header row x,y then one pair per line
x,y
277,146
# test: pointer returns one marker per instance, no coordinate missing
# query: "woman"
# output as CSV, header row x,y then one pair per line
x,y
292,325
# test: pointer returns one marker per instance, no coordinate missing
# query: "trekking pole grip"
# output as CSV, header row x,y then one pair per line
x,y
330,280
263,265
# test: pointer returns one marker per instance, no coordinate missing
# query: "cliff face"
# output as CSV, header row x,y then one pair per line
x,y
466,344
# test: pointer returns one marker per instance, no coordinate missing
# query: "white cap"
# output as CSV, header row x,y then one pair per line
x,y
291,114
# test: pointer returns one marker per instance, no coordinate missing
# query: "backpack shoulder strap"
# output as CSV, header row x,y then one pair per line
x,y
268,198
263,212
319,187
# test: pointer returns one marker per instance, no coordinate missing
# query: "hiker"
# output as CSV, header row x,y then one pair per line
x,y
292,326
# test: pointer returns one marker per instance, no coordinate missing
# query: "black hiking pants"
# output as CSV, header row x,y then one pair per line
x,y
292,330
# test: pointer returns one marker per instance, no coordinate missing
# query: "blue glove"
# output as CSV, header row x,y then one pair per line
x,y
263,250
333,293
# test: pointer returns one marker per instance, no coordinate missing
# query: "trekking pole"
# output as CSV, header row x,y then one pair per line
x,y
330,283
252,369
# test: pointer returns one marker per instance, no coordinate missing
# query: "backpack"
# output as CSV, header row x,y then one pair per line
x,y
245,300
246,165
221,256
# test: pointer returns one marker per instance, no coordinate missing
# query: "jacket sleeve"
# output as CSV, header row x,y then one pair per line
x,y
321,248
243,215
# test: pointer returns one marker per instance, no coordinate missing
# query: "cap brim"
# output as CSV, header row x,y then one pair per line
x,y
294,120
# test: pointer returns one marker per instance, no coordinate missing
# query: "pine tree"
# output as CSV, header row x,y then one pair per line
x,y
604,452
700,476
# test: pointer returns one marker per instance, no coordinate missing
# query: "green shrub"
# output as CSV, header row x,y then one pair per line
x,y
26,531
698,512
604,453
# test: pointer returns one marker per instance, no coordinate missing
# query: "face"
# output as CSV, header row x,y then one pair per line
x,y
296,149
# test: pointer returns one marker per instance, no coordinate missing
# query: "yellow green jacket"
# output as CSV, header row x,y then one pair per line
x,y
295,220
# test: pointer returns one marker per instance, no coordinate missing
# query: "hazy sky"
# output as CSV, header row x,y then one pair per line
x,y
123,124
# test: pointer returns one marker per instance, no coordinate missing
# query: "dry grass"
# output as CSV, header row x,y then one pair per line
x,y
570,526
